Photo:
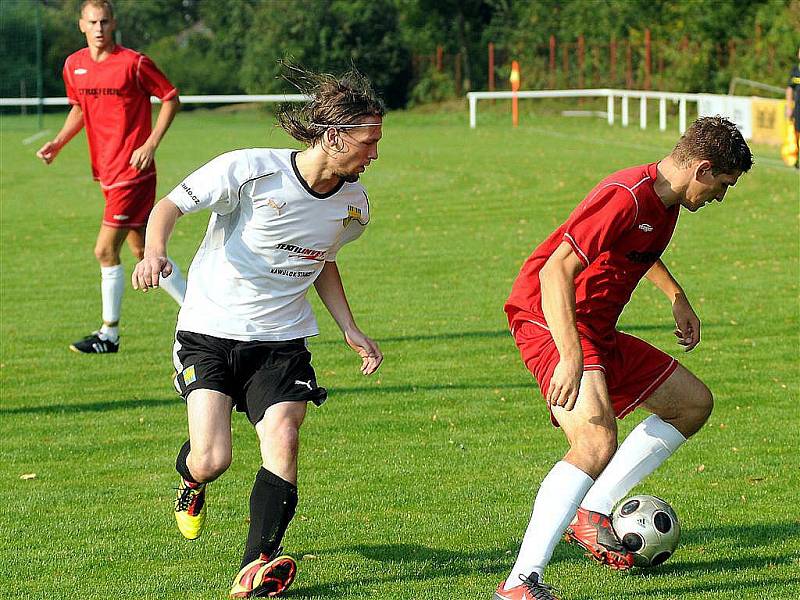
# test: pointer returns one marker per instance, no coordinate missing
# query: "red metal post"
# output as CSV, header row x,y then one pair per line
x,y
613,62
552,62
491,66
439,52
628,65
647,59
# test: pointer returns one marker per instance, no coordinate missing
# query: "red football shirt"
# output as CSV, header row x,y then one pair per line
x,y
618,232
114,96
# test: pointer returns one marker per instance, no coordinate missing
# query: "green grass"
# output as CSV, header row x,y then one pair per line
x,y
416,483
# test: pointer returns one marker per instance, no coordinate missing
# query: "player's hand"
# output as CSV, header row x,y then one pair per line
x,y
367,349
565,383
142,157
687,323
48,152
147,272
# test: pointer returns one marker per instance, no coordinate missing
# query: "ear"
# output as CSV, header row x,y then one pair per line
x,y
703,169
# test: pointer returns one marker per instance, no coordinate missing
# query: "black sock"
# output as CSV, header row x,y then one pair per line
x,y
272,505
180,463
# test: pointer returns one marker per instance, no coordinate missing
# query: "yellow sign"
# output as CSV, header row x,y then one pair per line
x,y
769,121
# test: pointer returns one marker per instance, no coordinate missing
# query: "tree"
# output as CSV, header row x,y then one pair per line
x,y
328,35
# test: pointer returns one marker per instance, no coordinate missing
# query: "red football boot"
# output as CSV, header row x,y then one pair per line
x,y
264,576
593,531
530,589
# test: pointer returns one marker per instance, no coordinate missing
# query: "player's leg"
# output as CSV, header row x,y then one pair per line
x,y
273,500
112,285
680,404
591,430
203,457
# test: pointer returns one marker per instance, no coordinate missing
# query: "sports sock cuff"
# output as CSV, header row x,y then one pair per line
x,y
655,427
180,463
270,478
565,475
112,272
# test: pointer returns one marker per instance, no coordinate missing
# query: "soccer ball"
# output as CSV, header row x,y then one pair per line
x,y
648,528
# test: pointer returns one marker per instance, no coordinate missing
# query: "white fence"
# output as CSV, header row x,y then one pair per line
x,y
730,106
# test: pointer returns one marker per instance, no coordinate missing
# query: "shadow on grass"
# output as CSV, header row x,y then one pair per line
x,y
55,409
416,563
409,562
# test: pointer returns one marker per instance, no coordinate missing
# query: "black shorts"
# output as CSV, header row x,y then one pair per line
x,y
255,375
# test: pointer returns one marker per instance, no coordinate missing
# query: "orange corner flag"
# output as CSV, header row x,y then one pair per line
x,y
514,79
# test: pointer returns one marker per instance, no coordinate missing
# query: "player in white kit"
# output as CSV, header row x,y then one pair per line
x,y
278,219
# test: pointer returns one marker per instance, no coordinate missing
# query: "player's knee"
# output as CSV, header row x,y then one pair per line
x,y
593,453
286,437
702,405
208,466
106,255
138,252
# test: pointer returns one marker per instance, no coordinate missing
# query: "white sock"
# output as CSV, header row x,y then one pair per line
x,y
112,284
109,333
555,506
651,443
175,284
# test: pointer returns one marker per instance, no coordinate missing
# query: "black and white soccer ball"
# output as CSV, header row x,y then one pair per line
x,y
648,528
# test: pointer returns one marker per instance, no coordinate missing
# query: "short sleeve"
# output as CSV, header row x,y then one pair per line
x,y
153,81
215,185
597,223
72,94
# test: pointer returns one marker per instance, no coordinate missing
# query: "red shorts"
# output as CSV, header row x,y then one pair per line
x,y
633,368
129,206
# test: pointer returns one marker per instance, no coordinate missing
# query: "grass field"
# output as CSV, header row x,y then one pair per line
x,y
416,483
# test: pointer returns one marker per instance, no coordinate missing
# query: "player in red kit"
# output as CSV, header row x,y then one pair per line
x,y
109,88
563,312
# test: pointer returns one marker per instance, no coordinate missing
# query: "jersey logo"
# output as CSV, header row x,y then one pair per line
x,y
271,203
80,71
353,214
305,383
647,228
121,217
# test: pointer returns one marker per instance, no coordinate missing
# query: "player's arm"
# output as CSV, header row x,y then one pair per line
x,y
331,292
72,125
789,101
142,157
687,324
557,279
155,263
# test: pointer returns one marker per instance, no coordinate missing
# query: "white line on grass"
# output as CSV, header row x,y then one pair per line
x,y
35,136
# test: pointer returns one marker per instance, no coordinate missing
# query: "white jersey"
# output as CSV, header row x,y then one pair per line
x,y
267,241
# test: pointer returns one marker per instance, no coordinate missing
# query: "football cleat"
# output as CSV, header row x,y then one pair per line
x,y
264,577
95,344
593,532
190,509
531,588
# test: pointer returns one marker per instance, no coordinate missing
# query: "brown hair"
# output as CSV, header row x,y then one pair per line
x,y
99,4
717,140
334,101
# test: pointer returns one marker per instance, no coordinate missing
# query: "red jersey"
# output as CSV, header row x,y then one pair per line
x,y
114,96
618,232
